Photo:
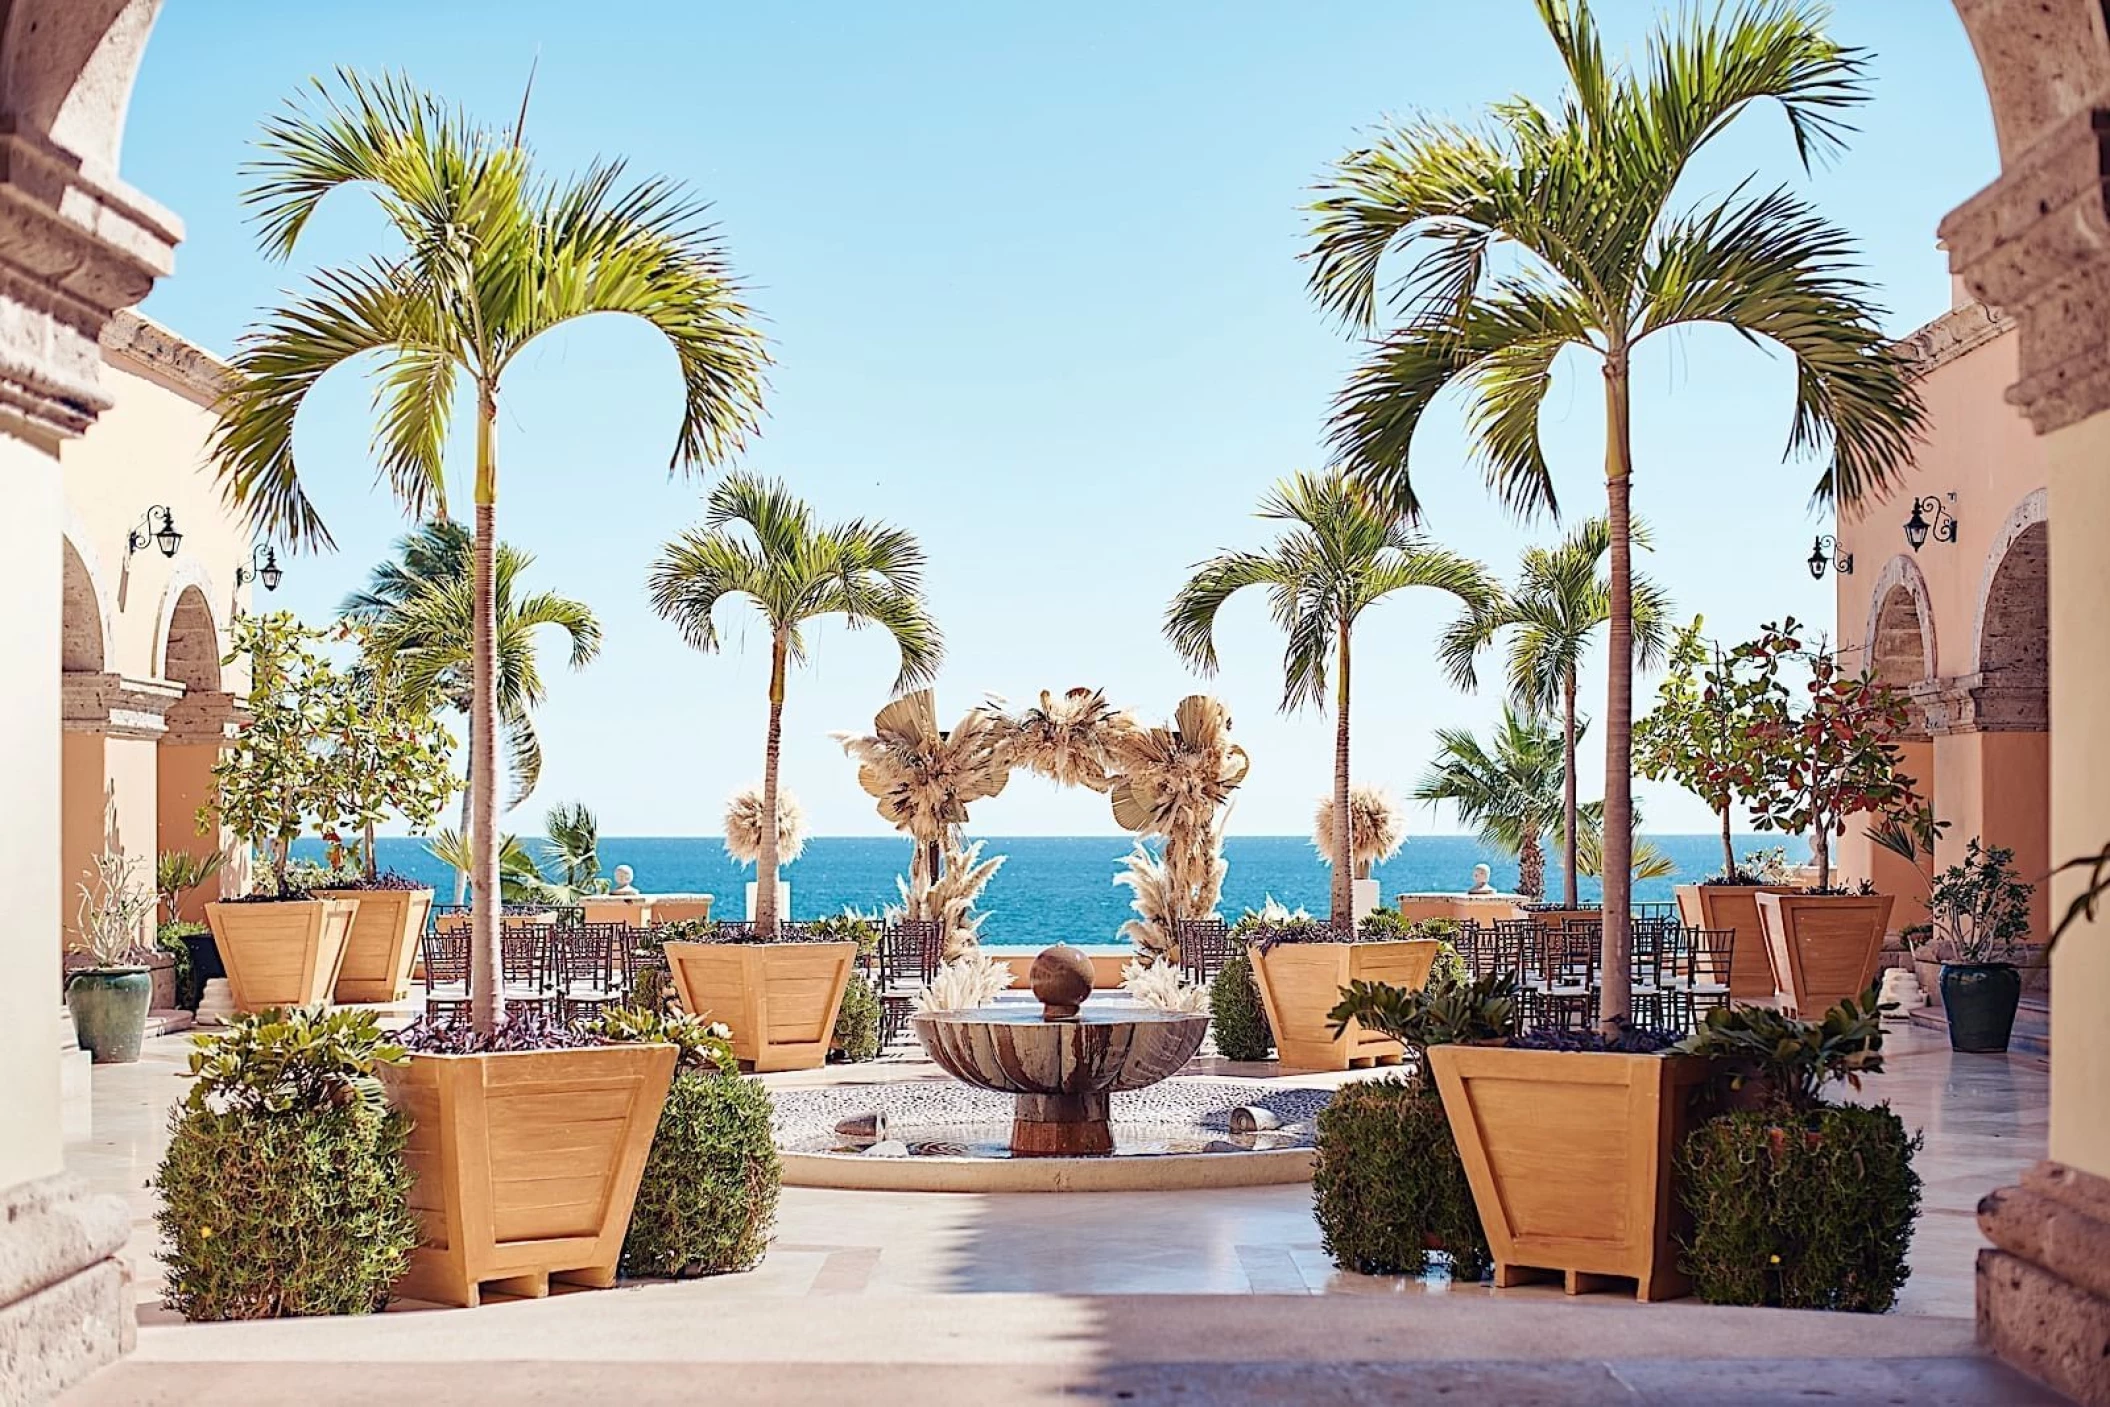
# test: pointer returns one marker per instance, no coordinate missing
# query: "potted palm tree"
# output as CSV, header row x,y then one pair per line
x,y
1530,188
1693,737
281,945
761,541
494,1103
743,840
108,995
1818,753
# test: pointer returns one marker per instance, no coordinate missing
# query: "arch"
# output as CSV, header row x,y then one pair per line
x,y
187,639
2013,615
84,635
1899,643
67,67
2043,61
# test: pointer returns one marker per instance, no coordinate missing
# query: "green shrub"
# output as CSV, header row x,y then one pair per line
x,y
169,939
1237,1017
283,1190
1809,1210
709,1194
1389,1182
857,1020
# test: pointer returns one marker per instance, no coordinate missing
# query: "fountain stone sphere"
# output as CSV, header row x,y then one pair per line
x,y
1061,977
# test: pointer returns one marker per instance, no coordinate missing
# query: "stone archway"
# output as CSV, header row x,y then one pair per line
x,y
1899,642
198,724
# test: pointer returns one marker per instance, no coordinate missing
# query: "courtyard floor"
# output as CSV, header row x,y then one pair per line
x,y
1192,1296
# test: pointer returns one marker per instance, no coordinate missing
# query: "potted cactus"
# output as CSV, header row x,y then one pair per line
x,y
108,995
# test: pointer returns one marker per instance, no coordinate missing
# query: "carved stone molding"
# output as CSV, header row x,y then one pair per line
x,y
1981,703
201,716
140,344
1956,333
65,1290
2044,1285
73,250
115,706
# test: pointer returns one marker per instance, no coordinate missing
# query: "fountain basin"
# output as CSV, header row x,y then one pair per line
x,y
1061,1071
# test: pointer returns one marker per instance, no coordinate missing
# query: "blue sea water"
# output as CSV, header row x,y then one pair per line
x,y
1056,888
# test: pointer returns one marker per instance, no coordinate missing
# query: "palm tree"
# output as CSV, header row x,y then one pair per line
x,y
1518,790
420,608
573,844
492,255
760,541
1548,229
1341,555
1557,605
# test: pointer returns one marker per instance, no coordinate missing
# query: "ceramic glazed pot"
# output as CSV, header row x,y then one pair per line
x,y
1980,998
109,1007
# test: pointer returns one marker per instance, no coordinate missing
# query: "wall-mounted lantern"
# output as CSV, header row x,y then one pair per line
x,y
1930,516
165,537
262,566
1818,559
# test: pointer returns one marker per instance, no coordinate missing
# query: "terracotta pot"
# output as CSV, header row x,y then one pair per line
x,y
525,1165
284,953
383,943
1570,1156
779,999
1734,906
1823,947
1300,982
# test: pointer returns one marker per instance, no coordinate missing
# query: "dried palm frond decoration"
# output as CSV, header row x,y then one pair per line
x,y
1173,783
1067,738
966,983
743,826
950,897
1165,987
1376,826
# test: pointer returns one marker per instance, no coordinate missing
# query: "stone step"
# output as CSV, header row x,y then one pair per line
x,y
2031,1036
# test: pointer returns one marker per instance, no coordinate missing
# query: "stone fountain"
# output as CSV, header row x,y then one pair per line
x,y
1062,1064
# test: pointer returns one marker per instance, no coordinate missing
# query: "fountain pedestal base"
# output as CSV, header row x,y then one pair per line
x,y
1061,1125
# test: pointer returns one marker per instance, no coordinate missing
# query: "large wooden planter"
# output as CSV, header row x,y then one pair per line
x,y
1723,906
525,1165
780,999
1300,982
281,954
1571,1157
383,943
1823,947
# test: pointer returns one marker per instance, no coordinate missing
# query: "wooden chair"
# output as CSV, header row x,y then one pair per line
x,y
524,967
587,968
910,953
446,956
1702,982
1204,945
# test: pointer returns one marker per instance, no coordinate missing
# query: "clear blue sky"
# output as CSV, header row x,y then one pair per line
x,y
1031,282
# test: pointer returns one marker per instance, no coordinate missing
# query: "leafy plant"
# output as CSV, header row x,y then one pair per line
x,y
708,1196
115,906
1696,735
383,753
270,780
178,872
573,845
280,1059
1789,1059
1238,1018
1625,1040
1444,1011
1388,1183
1979,908
856,1032
1813,1214
849,926
698,1044
169,938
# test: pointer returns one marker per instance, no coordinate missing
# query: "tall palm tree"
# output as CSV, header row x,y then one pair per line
x,y
1558,603
760,541
1341,555
420,608
573,844
490,256
1545,229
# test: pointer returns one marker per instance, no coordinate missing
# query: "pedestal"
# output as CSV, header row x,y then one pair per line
x,y
1061,1125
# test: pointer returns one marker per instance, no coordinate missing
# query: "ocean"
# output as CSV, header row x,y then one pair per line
x,y
1055,888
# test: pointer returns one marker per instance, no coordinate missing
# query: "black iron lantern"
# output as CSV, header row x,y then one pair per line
x,y
263,566
165,537
1941,525
1818,560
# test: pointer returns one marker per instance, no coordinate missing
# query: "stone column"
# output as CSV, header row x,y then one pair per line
x,y
75,246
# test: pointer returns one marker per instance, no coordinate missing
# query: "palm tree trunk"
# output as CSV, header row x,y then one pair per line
x,y
461,877
766,861
1616,945
1569,819
486,987
1343,823
1531,868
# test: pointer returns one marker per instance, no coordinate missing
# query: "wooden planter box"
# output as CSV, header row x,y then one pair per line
x,y
1823,947
1571,1157
1300,982
1734,906
780,999
525,1165
383,943
281,954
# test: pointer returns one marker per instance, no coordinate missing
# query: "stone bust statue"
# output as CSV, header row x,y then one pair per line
x,y
1481,874
623,888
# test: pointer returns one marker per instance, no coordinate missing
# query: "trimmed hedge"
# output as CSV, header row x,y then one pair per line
x,y
1237,1017
709,1194
857,1020
1389,1183
1804,1211
297,1212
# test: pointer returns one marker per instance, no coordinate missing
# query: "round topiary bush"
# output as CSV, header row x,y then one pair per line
x,y
284,1189
709,1195
1805,1210
1389,1187
1237,1018
857,1020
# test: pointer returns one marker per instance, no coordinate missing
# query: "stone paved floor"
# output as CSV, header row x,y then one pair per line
x,y
1090,1295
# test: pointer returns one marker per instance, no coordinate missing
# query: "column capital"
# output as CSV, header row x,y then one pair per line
x,y
1984,703
114,706
202,717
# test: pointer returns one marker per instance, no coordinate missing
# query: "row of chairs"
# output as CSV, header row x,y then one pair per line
x,y
1676,974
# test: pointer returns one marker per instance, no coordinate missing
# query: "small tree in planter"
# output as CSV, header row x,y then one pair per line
x,y
1300,967
1796,1202
1696,736
1980,913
